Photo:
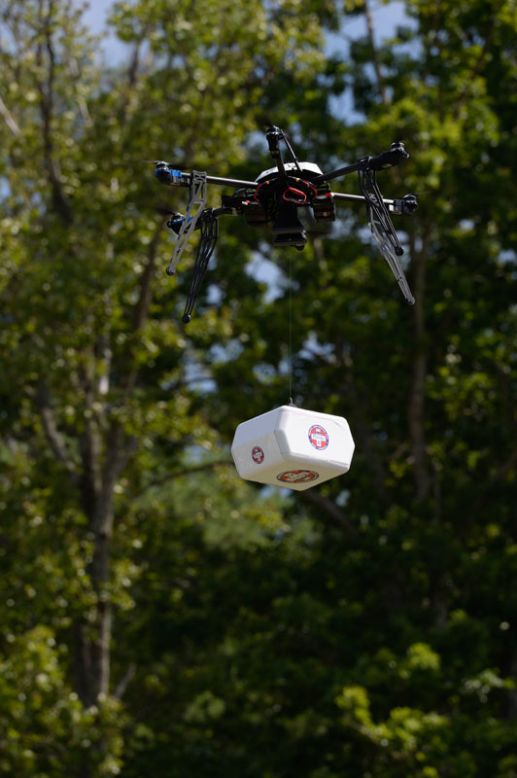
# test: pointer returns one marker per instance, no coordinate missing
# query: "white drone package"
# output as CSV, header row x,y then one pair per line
x,y
292,447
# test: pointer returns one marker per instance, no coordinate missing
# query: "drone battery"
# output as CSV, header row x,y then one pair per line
x,y
292,447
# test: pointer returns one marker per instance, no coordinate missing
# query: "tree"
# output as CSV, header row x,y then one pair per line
x,y
159,615
434,471
96,377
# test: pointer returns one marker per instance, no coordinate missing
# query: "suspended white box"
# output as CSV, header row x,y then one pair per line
x,y
293,448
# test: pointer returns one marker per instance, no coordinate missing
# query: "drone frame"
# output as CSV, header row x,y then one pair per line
x,y
286,188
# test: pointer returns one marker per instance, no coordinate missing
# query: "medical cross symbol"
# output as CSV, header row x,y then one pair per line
x,y
297,476
257,454
318,437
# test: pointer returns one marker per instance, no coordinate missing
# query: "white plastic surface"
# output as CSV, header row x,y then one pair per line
x,y
292,447
291,166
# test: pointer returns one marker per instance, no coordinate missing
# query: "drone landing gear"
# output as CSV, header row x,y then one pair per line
x,y
382,228
197,202
207,224
209,228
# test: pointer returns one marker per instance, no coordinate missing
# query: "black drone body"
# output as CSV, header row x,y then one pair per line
x,y
294,198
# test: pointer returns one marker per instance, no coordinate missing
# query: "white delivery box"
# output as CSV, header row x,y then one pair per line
x,y
292,447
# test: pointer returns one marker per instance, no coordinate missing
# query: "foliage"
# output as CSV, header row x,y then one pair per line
x,y
161,617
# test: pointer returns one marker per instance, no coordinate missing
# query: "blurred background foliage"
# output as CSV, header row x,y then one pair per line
x,y
160,616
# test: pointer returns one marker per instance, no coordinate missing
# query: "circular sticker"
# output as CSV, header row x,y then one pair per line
x,y
257,455
297,476
318,437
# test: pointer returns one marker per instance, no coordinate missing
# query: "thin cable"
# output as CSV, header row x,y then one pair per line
x,y
290,337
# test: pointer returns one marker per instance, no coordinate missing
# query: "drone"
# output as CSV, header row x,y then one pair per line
x,y
294,198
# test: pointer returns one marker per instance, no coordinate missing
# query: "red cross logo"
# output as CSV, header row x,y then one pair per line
x,y
318,437
297,476
257,455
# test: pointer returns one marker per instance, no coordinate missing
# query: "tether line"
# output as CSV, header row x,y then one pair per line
x,y
290,336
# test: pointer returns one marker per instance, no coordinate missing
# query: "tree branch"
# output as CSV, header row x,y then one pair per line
x,y
117,452
94,424
330,508
185,472
476,69
381,85
9,118
144,298
46,92
124,682
54,438
141,309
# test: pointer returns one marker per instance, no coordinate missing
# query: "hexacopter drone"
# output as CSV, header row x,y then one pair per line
x,y
294,197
